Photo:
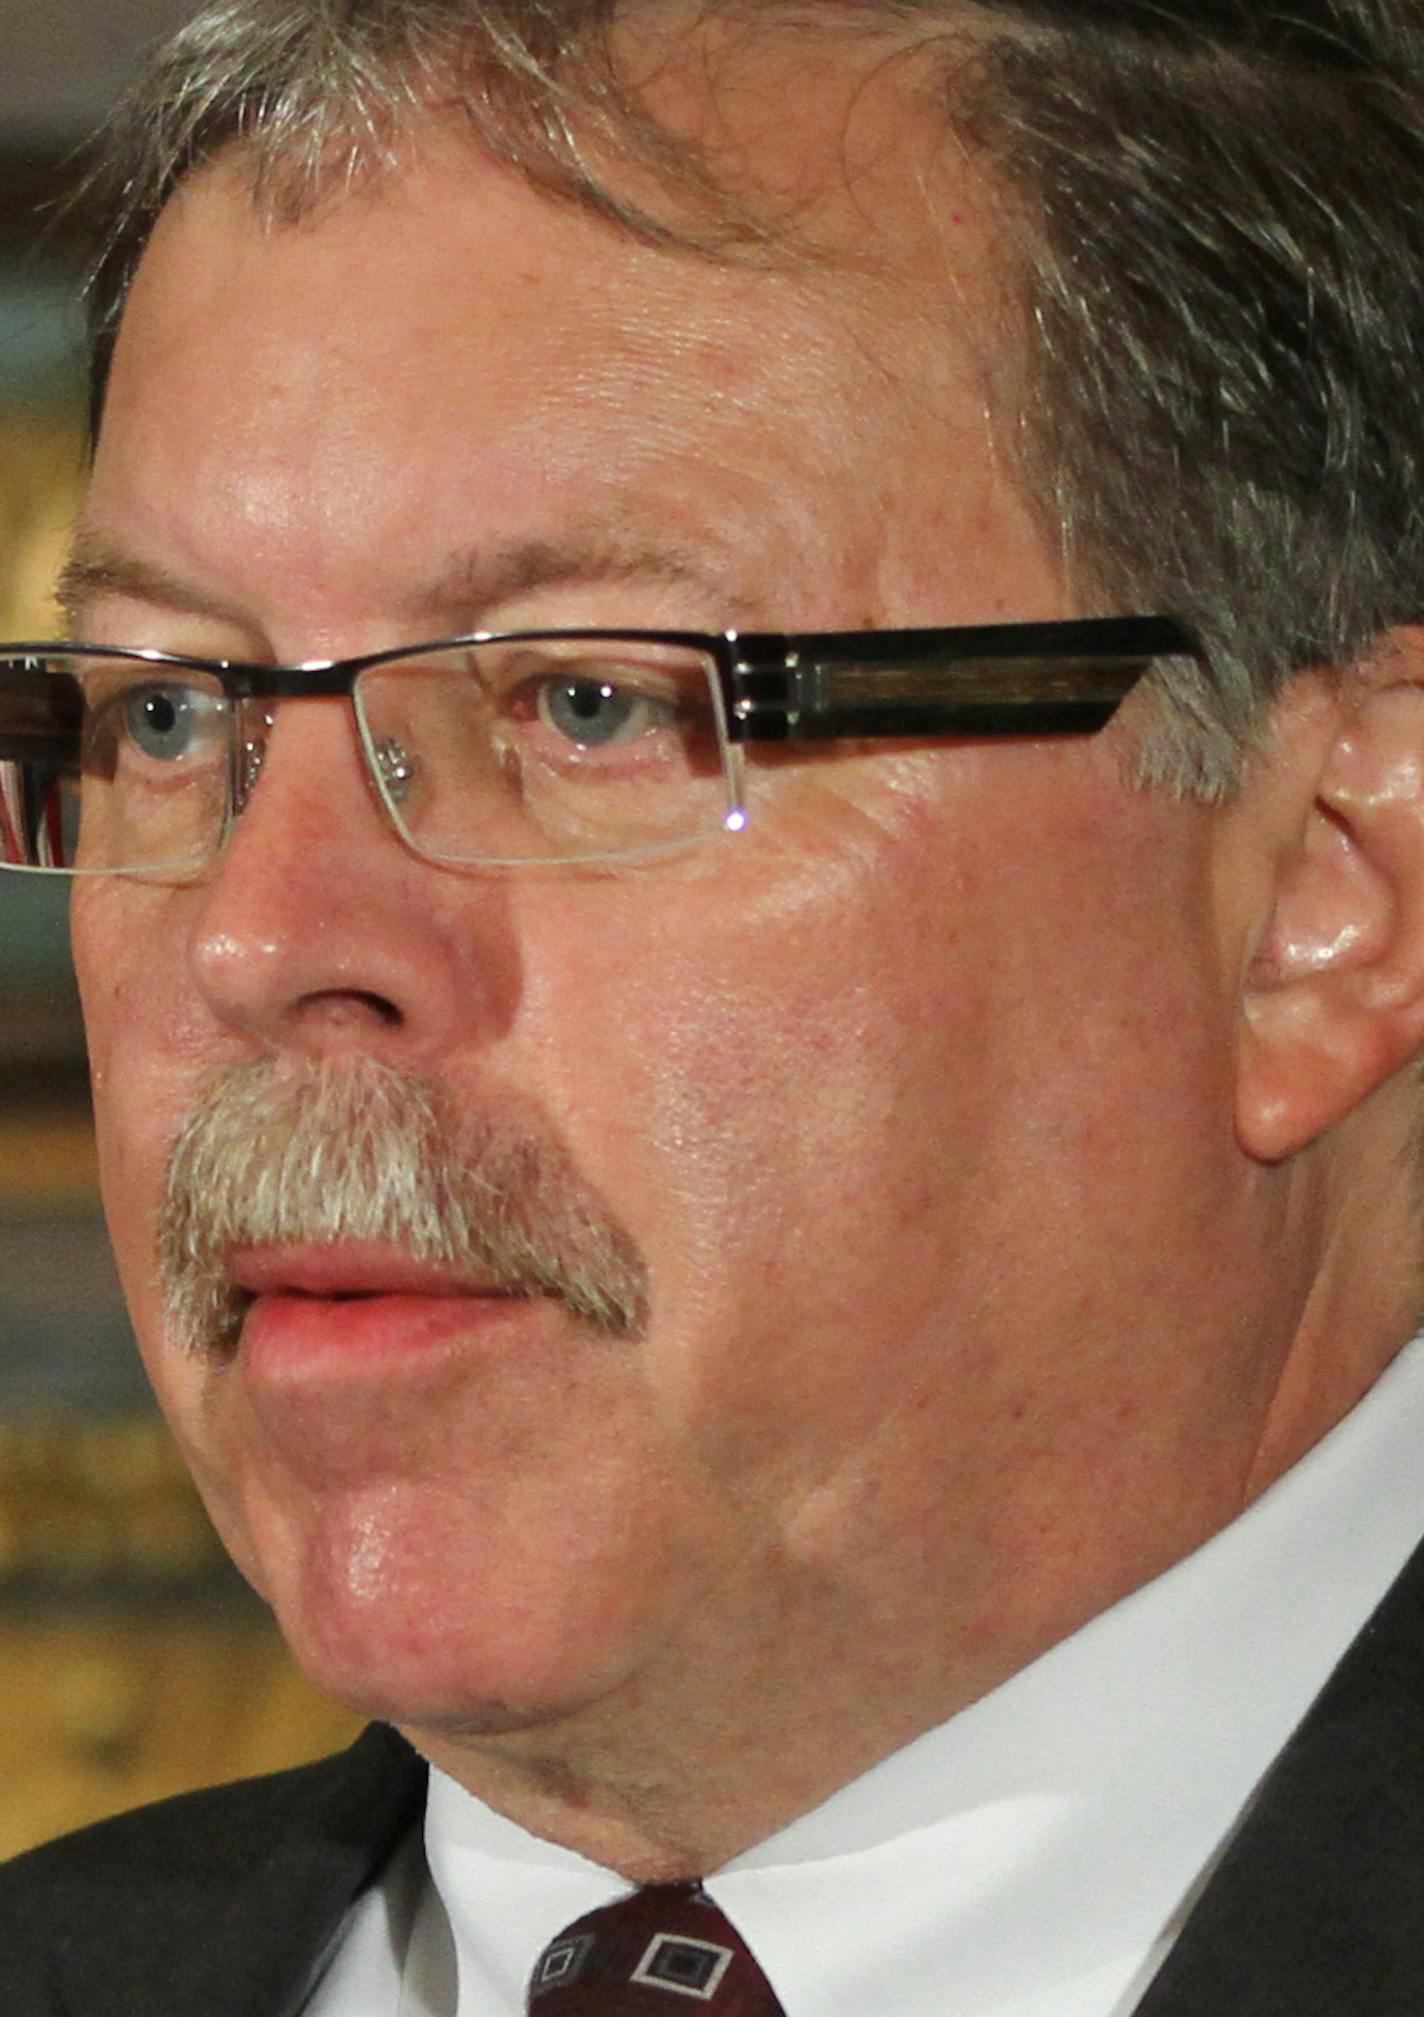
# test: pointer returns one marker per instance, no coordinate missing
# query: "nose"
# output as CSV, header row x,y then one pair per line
x,y
319,931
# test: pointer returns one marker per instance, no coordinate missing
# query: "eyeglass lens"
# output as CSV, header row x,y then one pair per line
x,y
505,752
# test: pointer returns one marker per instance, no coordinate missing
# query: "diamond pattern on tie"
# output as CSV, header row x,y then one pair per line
x,y
657,1953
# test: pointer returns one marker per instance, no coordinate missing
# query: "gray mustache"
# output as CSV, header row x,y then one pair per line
x,y
359,1150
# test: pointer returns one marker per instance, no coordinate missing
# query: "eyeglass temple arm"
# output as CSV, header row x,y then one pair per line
x,y
1002,680
1006,679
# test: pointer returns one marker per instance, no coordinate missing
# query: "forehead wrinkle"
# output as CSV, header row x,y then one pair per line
x,y
864,358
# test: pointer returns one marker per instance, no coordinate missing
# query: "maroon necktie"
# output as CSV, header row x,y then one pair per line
x,y
654,1954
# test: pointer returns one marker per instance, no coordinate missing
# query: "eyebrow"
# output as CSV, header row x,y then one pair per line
x,y
469,581
96,566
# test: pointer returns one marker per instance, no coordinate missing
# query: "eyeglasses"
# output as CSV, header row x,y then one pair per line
x,y
534,748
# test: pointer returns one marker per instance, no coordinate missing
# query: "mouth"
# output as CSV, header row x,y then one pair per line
x,y
351,1272
308,1311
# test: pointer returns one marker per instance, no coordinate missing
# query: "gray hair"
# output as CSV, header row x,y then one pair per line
x,y
355,1149
1217,262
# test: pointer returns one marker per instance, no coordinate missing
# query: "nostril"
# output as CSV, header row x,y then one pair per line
x,y
355,1008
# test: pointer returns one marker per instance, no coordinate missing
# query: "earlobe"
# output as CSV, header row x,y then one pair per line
x,y
1334,999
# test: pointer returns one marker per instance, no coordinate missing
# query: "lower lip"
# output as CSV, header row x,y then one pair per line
x,y
287,1337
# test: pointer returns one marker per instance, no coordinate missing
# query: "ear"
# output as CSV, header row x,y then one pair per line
x,y
1334,997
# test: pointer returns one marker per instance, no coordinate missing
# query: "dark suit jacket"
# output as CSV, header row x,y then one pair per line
x,y
226,1904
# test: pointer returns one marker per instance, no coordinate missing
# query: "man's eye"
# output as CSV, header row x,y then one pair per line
x,y
169,723
597,714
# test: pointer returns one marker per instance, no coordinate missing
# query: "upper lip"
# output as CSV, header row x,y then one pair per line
x,y
351,1269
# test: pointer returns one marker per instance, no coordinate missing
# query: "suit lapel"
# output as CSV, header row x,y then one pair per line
x,y
1317,1907
231,1922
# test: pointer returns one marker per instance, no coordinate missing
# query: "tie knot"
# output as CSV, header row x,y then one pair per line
x,y
661,1950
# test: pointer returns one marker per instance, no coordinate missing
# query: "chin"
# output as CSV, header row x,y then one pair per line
x,y
474,1631
447,1678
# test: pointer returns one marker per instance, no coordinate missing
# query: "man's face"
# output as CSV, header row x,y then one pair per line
x,y
913,1101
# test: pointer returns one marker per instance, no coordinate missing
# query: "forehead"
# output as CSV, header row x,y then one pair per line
x,y
447,326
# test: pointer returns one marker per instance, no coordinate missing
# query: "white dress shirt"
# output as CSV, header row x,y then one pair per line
x,y
1032,1857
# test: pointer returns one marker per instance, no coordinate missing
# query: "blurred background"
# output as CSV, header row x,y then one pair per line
x,y
133,1662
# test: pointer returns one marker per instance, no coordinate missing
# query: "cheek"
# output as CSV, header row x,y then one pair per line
x,y
866,1114
145,1047
778,1085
